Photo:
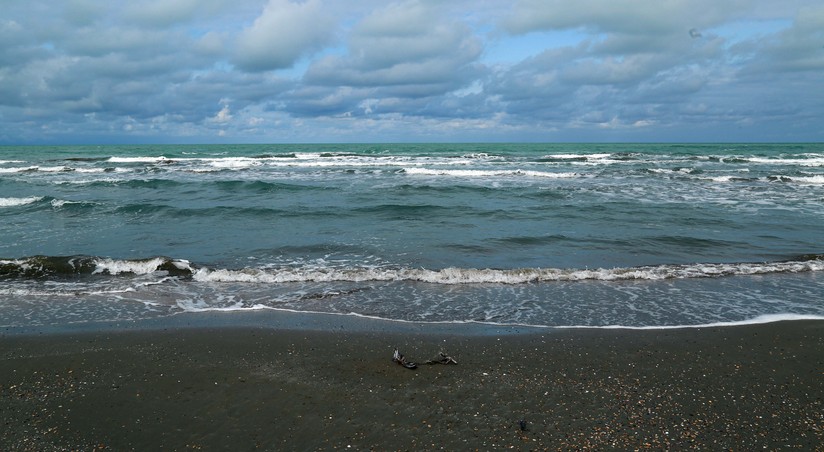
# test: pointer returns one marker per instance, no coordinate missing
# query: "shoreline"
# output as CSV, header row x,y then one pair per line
x,y
274,319
284,319
307,387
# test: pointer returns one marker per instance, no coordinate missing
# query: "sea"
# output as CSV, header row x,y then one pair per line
x,y
546,235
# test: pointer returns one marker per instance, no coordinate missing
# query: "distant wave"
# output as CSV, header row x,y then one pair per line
x,y
45,201
56,266
476,165
488,173
807,180
14,202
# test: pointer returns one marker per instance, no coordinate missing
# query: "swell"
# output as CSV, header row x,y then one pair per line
x,y
422,212
157,184
170,211
232,186
406,211
259,186
451,189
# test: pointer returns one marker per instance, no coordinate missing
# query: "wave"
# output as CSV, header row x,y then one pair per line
x,y
259,186
86,159
576,157
472,165
809,160
156,160
489,173
38,267
41,169
15,202
804,180
170,211
26,169
47,266
135,183
407,210
452,276
44,201
55,170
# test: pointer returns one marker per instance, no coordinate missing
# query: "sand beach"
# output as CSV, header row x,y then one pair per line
x,y
218,387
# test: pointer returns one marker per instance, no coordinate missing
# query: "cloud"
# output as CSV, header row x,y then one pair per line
x,y
284,32
404,50
82,13
799,48
224,115
636,63
269,70
162,12
633,17
402,45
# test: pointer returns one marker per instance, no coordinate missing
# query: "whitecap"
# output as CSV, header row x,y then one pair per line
x,y
488,173
14,202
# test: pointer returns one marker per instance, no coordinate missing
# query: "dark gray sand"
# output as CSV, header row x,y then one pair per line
x,y
741,388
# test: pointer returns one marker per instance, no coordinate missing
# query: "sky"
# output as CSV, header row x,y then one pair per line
x,y
281,71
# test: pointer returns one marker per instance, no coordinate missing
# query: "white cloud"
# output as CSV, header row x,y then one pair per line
x,y
223,116
284,32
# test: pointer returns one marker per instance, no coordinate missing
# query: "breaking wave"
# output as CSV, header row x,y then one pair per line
x,y
39,267
15,202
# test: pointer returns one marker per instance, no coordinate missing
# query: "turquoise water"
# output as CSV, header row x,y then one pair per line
x,y
541,234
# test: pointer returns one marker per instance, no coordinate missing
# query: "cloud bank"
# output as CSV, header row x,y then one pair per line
x,y
414,70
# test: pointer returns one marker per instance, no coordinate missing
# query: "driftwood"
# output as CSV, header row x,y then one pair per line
x,y
441,358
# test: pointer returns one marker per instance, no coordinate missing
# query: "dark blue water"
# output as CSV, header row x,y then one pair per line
x,y
556,235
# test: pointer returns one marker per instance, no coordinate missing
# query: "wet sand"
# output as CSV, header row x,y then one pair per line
x,y
245,388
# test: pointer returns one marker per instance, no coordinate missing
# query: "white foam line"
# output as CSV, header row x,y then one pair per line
x,y
760,320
